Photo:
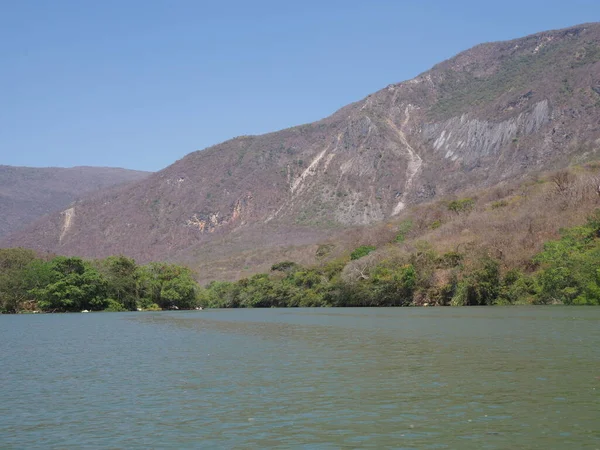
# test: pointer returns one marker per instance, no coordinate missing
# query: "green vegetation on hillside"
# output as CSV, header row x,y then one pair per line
x,y
361,251
460,91
567,271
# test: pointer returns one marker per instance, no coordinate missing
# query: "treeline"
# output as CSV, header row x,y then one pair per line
x,y
66,284
567,271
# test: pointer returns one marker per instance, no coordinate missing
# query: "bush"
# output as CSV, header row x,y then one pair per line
x,y
323,250
450,259
285,266
153,307
403,229
435,224
462,205
361,251
114,306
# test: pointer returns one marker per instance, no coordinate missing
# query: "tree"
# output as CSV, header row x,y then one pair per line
x,y
257,292
73,285
123,281
223,294
170,286
393,286
14,282
569,266
481,286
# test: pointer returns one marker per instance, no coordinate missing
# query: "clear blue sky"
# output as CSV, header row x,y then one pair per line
x,y
139,84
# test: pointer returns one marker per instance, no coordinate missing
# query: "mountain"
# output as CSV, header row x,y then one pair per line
x,y
28,193
493,113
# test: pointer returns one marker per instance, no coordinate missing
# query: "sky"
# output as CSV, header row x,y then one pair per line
x,y
139,84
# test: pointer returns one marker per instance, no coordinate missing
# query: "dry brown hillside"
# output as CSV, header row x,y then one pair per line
x,y
509,222
491,115
28,193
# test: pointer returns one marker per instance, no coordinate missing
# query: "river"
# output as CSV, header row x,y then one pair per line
x,y
405,378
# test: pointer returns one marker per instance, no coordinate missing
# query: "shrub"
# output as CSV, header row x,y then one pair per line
x,y
435,224
285,266
114,306
403,229
153,307
450,259
462,205
324,250
361,251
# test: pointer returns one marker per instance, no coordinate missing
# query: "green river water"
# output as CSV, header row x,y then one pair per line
x,y
405,378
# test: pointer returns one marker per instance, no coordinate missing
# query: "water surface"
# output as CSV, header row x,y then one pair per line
x,y
406,378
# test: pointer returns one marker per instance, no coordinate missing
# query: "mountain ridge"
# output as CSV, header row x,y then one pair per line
x,y
27,193
492,113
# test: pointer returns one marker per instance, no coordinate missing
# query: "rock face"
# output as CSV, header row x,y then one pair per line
x,y
27,193
495,112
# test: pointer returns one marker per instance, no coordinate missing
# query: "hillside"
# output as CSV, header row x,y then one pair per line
x,y
496,112
28,193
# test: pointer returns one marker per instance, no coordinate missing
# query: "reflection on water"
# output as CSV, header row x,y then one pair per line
x,y
481,378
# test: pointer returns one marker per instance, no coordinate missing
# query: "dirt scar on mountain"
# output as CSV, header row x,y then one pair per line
x,y
414,160
68,214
